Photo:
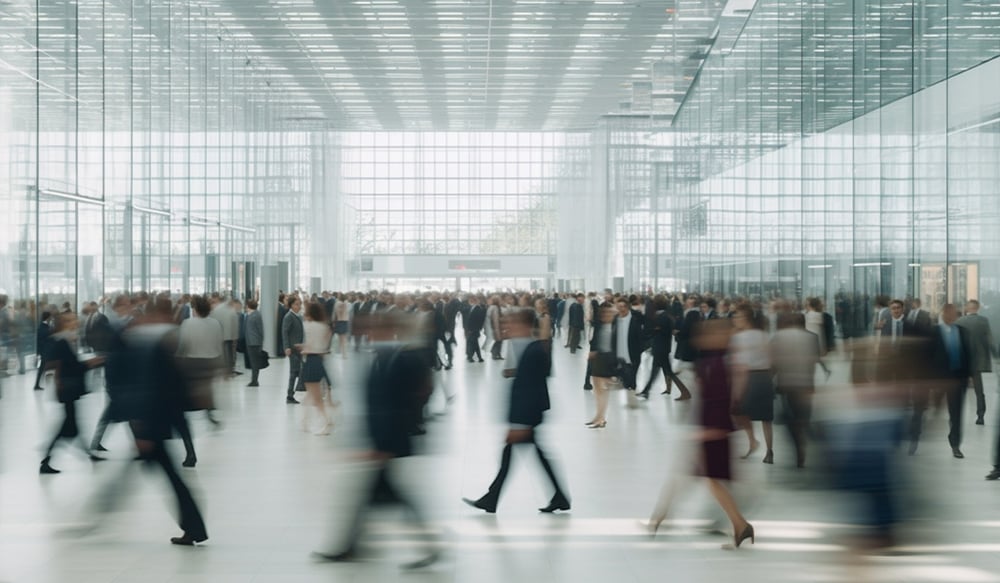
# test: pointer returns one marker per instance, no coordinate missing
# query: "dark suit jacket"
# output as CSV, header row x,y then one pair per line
x,y
100,335
529,393
576,315
475,319
685,336
451,310
940,363
282,310
923,323
636,337
292,331
397,389
661,330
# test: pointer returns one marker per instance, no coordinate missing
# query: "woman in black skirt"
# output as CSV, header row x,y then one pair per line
x,y
753,385
314,348
70,379
603,365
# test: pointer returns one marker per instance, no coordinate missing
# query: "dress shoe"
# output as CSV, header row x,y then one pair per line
x,y
188,540
189,462
341,557
96,458
746,534
470,360
994,475
979,421
957,453
291,401
588,387
482,505
643,395
600,425
38,388
481,360
666,392
686,397
430,559
558,503
45,468
253,384
99,448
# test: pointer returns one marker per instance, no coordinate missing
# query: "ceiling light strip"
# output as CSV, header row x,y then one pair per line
x,y
489,47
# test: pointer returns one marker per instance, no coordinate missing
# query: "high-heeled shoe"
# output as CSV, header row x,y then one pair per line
x,y
753,447
651,526
325,430
746,534
600,425
769,457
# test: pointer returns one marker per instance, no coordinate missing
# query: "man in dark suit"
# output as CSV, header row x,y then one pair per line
x,y
919,318
397,389
902,350
529,399
660,329
576,323
686,351
628,339
452,307
556,317
982,350
949,362
708,309
442,332
473,323
253,330
292,335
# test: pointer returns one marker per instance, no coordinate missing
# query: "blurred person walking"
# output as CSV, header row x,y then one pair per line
x,y
602,364
661,331
473,322
529,400
712,341
315,346
396,390
254,333
982,350
493,313
199,354
950,367
795,352
753,389
71,384
576,323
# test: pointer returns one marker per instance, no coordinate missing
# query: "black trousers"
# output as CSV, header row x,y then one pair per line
x,y
294,373
956,402
496,348
626,373
69,430
189,516
493,494
381,489
977,385
256,359
574,339
472,345
661,363
798,414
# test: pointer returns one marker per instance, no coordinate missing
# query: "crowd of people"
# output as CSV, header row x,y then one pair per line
x,y
740,360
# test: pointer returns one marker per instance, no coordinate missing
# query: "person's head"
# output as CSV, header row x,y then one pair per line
x,y
518,323
743,317
293,303
201,306
541,306
46,316
122,305
815,304
896,308
708,305
66,322
725,306
580,298
251,304
281,299
315,312
881,301
972,307
690,301
791,320
661,302
159,310
949,313
915,303
622,307
607,314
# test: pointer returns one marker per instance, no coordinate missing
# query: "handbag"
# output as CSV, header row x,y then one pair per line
x,y
264,359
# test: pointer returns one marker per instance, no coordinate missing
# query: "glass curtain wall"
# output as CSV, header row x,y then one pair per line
x,y
139,150
841,149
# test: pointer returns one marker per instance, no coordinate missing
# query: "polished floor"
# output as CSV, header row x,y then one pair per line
x,y
271,494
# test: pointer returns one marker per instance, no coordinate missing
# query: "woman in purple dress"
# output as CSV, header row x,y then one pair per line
x,y
713,455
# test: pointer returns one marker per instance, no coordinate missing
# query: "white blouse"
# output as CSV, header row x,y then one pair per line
x,y
750,348
317,338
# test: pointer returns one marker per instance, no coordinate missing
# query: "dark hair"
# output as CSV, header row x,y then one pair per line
x,y
900,302
291,299
710,302
315,312
252,304
201,306
162,308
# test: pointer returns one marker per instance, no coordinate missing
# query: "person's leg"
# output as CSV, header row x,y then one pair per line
x,y
559,498
747,425
653,372
977,383
256,360
294,374
315,394
602,396
492,497
919,400
470,346
794,423
184,430
956,401
189,518
728,504
478,349
41,372
102,426
768,428
685,393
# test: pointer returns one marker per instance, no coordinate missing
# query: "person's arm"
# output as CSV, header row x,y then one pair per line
x,y
286,328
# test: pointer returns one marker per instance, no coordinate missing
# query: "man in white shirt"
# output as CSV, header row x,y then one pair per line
x,y
628,342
